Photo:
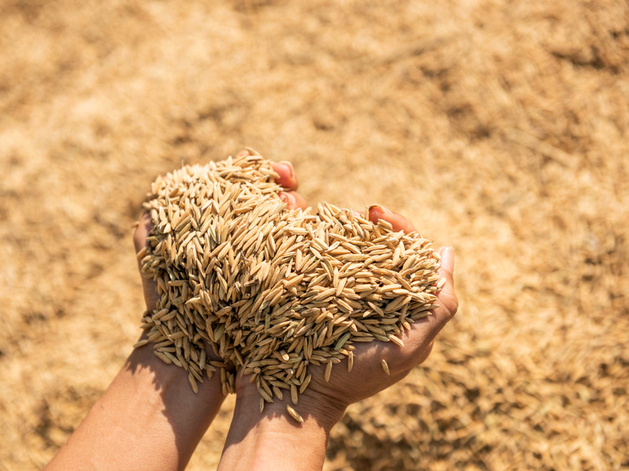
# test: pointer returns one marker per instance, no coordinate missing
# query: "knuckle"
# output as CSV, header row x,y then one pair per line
x,y
451,303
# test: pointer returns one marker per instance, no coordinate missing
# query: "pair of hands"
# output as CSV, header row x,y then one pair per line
x,y
150,419
323,403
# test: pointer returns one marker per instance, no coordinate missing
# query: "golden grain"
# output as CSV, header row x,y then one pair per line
x,y
141,343
294,414
328,371
193,383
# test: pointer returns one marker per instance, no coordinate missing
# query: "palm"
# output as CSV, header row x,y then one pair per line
x,y
367,376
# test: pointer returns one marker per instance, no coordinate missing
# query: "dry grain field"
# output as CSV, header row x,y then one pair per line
x,y
497,126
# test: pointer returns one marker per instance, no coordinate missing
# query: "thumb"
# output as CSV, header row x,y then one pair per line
x,y
447,296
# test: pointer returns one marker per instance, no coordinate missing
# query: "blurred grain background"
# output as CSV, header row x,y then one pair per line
x,y
498,126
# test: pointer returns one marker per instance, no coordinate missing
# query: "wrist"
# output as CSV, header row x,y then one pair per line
x,y
272,439
148,418
165,403
167,386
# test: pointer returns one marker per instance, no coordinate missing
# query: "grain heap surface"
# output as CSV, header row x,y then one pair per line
x,y
273,290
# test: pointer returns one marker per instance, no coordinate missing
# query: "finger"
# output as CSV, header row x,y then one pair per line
x,y
142,232
287,178
447,259
447,296
399,222
293,200
139,241
423,331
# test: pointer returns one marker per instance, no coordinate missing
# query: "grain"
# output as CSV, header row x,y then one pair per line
x,y
328,371
441,283
294,414
272,291
294,395
141,343
385,366
193,383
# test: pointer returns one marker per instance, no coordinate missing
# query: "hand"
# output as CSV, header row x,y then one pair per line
x,y
264,438
287,180
368,376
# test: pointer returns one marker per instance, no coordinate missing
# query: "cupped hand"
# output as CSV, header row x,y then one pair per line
x,y
327,400
287,180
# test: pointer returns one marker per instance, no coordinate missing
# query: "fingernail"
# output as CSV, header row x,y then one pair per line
x,y
447,259
289,199
380,208
291,170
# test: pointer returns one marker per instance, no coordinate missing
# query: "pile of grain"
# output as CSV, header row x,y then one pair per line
x,y
273,290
